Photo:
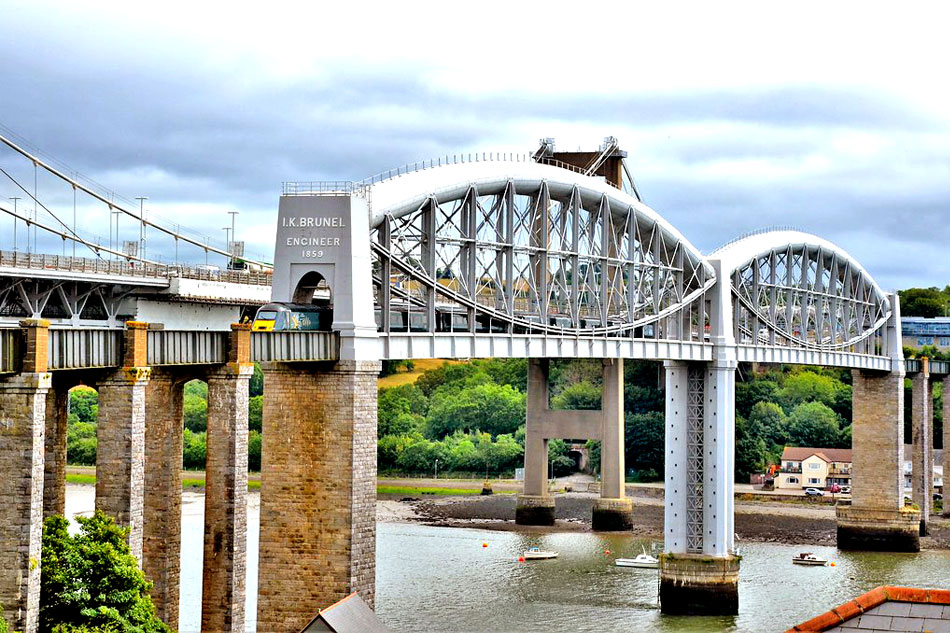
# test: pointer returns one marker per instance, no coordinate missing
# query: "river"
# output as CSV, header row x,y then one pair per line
x,y
443,580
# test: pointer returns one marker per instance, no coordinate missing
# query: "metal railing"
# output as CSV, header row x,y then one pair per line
x,y
84,348
9,350
294,346
88,265
187,347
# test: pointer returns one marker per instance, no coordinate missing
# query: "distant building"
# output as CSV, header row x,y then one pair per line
x,y
919,331
909,467
803,467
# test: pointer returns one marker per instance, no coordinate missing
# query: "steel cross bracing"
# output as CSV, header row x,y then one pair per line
x,y
520,259
808,297
695,416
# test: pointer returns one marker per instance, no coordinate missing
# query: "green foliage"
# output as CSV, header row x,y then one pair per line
x,y
84,404
924,302
256,386
593,455
401,409
752,391
197,388
255,413
644,440
254,451
752,454
451,378
560,463
468,452
578,395
816,425
91,580
507,371
3,621
484,406
80,442
768,421
195,450
642,392
195,412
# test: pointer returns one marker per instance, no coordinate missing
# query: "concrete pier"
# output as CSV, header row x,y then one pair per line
x,y
54,484
613,511
696,584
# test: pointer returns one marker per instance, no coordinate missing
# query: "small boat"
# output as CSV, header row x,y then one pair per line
x,y
642,561
536,553
807,558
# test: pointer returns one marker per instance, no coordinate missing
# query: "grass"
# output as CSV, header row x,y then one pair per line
x,y
76,478
82,478
418,490
406,378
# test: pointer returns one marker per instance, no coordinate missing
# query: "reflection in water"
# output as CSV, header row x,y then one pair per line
x,y
432,579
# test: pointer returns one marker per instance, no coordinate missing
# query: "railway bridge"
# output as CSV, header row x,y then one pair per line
x,y
541,257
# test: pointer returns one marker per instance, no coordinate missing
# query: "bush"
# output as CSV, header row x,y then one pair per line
x,y
254,451
488,407
91,582
195,450
195,411
81,442
255,413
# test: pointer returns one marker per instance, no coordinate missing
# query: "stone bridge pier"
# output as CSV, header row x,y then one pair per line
x,y
877,518
612,511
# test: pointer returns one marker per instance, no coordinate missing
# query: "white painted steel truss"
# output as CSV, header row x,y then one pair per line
x,y
809,296
516,257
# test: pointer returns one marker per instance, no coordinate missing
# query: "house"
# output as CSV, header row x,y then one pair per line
x,y
909,468
813,468
885,609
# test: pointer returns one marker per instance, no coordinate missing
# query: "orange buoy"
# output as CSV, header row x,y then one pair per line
x,y
484,544
606,551
521,559
832,563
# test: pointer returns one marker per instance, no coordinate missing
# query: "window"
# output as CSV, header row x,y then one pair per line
x,y
814,480
925,340
814,466
793,480
944,341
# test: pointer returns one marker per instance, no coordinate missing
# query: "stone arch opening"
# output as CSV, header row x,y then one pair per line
x,y
313,289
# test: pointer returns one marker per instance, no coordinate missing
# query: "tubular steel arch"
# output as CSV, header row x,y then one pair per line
x,y
523,247
793,289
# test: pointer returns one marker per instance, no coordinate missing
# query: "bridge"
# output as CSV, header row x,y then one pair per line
x,y
543,256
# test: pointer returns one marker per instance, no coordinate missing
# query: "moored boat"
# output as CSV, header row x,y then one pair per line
x,y
536,553
807,558
642,561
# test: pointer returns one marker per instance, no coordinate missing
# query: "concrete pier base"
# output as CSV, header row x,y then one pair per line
x,y
878,530
612,515
535,510
696,584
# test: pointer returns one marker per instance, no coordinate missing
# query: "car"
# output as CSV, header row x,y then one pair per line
x,y
938,496
845,490
814,492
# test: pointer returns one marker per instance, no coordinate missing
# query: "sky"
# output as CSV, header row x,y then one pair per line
x,y
832,118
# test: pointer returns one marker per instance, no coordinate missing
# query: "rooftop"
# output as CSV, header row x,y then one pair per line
x,y
885,609
799,453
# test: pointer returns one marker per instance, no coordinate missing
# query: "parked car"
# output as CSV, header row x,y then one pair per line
x,y
814,492
938,496
845,490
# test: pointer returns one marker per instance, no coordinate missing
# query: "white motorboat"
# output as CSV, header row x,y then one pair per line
x,y
807,558
536,553
642,561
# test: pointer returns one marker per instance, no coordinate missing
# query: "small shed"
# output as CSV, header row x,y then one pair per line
x,y
349,615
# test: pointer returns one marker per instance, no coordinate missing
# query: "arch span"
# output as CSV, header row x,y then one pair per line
x,y
525,247
794,289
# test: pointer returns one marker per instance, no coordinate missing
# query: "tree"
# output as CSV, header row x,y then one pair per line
x,y
195,450
768,421
578,395
487,407
507,371
753,390
80,442
195,412
807,386
92,580
451,377
256,386
752,455
255,413
815,425
645,435
84,404
400,409
254,451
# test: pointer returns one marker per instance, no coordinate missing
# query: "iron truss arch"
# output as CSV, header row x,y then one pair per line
x,y
521,247
797,290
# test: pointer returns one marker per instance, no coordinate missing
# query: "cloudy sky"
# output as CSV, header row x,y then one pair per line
x,y
833,119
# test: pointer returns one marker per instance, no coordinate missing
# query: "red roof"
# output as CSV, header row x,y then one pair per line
x,y
798,453
871,600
